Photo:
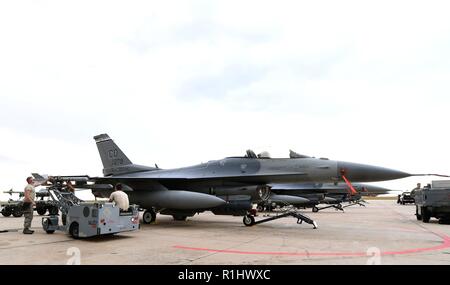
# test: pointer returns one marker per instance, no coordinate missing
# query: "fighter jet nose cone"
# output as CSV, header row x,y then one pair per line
x,y
356,172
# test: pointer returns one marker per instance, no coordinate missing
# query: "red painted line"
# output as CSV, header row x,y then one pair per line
x,y
445,244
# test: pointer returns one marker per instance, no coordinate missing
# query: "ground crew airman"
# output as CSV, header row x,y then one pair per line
x,y
120,198
28,203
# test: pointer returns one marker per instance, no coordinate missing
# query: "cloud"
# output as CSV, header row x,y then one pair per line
x,y
5,159
179,82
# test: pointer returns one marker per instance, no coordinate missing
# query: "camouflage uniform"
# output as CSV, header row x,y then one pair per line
x,y
28,210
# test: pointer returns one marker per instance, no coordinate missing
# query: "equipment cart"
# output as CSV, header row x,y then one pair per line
x,y
86,219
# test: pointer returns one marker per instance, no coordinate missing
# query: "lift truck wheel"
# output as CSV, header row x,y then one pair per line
x,y
248,220
149,216
425,215
45,224
74,230
315,209
6,212
418,216
179,217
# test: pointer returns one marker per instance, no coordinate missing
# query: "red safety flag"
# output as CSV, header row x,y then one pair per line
x,y
353,191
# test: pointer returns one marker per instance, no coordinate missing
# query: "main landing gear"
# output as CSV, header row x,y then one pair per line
x,y
149,216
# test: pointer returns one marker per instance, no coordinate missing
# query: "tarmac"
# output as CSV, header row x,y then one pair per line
x,y
383,232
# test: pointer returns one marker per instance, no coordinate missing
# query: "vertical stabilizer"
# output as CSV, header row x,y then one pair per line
x,y
113,159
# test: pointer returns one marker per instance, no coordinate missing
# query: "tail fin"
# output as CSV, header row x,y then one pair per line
x,y
113,159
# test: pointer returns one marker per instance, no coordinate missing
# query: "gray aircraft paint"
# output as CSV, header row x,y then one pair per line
x,y
242,169
330,188
289,199
176,199
195,187
317,192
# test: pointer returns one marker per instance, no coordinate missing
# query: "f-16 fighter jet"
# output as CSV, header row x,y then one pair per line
x,y
225,186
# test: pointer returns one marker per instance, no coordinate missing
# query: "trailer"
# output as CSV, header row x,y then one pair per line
x,y
433,201
14,207
11,207
86,219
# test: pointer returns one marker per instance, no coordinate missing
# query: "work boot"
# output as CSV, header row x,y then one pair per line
x,y
28,231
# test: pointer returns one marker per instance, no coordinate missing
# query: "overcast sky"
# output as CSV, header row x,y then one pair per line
x,y
182,82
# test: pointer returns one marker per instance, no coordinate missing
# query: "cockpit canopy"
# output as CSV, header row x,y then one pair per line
x,y
264,154
251,154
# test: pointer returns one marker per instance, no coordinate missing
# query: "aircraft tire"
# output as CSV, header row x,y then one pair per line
x,y
248,220
149,216
315,209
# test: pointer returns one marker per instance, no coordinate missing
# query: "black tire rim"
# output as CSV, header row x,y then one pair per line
x,y
74,230
148,217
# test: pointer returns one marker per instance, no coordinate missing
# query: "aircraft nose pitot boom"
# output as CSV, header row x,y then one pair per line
x,y
368,173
